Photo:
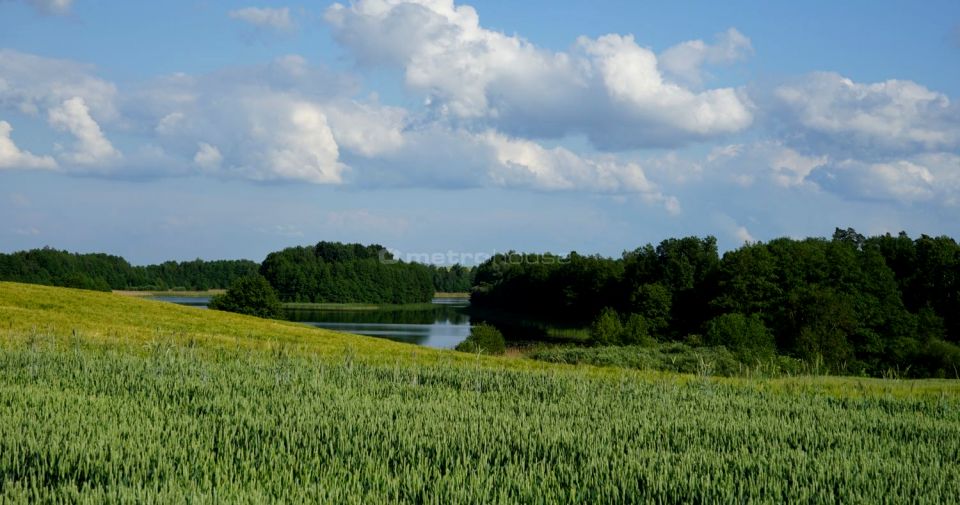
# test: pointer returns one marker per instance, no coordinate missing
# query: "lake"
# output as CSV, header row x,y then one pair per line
x,y
443,324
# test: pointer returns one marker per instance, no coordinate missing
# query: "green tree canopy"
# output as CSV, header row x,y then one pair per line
x,y
483,339
253,296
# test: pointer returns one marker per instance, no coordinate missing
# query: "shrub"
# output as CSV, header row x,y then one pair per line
x,y
484,339
251,295
939,358
673,357
607,328
636,331
653,302
747,337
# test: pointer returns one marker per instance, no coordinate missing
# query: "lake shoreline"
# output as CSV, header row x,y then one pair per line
x,y
440,323
185,294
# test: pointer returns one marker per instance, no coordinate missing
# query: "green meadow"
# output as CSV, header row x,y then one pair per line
x,y
105,398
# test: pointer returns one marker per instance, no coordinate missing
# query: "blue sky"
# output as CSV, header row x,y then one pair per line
x,y
175,130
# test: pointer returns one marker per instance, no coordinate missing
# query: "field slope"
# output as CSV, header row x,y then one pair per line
x,y
105,398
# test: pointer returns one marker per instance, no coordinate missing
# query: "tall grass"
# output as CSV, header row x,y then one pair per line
x,y
89,423
674,357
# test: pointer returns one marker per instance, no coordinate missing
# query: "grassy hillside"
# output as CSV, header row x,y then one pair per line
x,y
105,398
112,319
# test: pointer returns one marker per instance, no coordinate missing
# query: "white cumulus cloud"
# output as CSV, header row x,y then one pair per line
x,y
13,157
743,235
29,84
769,161
265,17
365,128
208,156
299,143
262,123
526,163
610,88
91,146
934,179
279,128
631,78
929,178
443,157
685,61
827,111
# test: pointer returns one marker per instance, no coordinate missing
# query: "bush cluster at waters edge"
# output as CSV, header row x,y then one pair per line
x,y
251,295
483,339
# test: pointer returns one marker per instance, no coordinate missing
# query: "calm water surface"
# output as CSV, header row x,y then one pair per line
x,y
443,325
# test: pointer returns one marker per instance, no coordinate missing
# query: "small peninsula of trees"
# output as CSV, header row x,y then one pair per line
x,y
331,272
856,304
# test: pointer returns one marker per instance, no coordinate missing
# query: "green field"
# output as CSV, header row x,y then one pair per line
x,y
105,398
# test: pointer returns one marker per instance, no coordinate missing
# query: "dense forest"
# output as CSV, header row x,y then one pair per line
x,y
104,272
452,279
856,304
331,272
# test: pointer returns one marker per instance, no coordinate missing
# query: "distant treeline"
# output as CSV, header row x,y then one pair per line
x,y
297,276
104,272
855,304
452,279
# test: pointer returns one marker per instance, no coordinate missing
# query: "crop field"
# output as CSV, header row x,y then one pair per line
x,y
106,399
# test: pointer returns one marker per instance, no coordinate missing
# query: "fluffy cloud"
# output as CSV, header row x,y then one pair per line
x,y
208,156
262,123
291,121
367,129
685,61
927,178
887,141
743,234
525,163
263,135
471,73
768,161
29,84
631,78
265,17
91,146
828,112
299,144
280,128
443,157
69,96
13,157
